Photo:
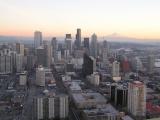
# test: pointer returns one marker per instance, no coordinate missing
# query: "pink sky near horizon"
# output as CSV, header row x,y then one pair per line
x,y
137,19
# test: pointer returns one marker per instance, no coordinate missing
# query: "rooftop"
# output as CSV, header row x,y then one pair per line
x,y
107,109
88,97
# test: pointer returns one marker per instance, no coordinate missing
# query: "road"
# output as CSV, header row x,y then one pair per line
x,y
72,113
28,105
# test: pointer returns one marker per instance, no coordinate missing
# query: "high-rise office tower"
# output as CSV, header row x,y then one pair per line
x,y
63,106
58,56
121,96
54,47
23,78
19,62
13,56
66,54
48,55
41,56
93,47
89,65
137,98
86,45
105,55
68,43
20,48
151,61
116,71
40,76
137,64
37,39
38,108
6,65
125,66
30,61
86,42
78,38
105,52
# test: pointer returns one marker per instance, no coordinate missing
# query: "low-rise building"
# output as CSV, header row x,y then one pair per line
x,y
88,99
106,112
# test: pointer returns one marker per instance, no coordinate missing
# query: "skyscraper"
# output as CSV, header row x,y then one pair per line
x,y
53,107
89,65
54,47
137,64
116,71
68,42
86,42
48,55
40,76
86,45
105,52
78,38
121,96
137,98
37,39
30,61
19,62
151,61
5,60
20,48
41,56
93,48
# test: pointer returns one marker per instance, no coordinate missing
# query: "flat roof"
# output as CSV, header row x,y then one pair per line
x,y
102,110
86,97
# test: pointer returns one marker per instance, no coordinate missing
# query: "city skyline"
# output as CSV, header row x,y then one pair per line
x,y
135,19
79,60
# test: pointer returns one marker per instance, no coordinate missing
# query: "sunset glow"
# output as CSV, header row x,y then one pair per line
x,y
132,18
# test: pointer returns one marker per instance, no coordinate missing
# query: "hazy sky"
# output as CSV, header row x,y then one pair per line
x,y
132,18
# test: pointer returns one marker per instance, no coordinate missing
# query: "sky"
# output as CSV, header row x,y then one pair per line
x,y
131,18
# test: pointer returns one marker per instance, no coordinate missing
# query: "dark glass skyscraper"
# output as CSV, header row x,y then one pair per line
x,y
78,38
86,42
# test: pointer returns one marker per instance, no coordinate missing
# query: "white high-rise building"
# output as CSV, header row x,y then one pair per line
x,y
51,111
37,39
105,52
38,108
137,98
63,113
58,56
20,48
66,54
48,54
5,61
94,79
137,64
40,76
116,71
151,62
19,62
93,47
51,107
23,78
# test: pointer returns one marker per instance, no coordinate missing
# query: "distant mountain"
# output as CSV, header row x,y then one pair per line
x,y
120,38
114,37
